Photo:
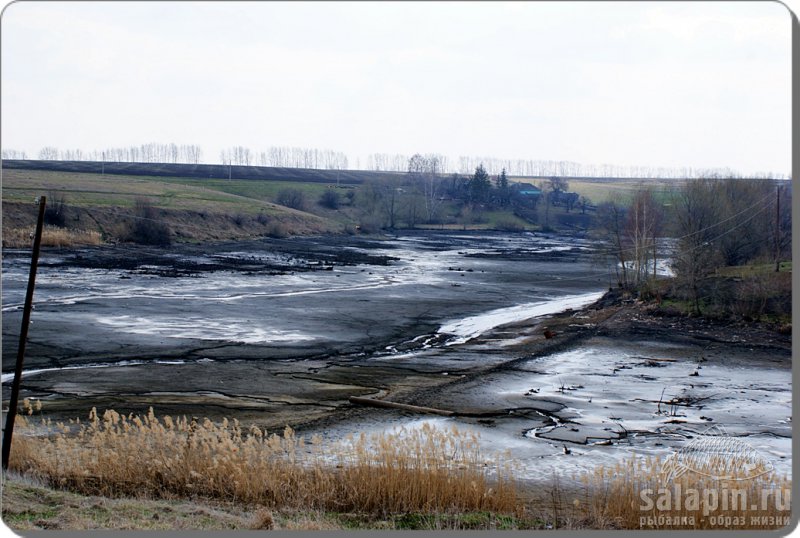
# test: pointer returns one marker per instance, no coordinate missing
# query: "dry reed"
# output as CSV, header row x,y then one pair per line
x,y
51,237
637,494
426,470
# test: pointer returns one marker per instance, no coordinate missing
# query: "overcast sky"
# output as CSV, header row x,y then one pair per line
x,y
701,84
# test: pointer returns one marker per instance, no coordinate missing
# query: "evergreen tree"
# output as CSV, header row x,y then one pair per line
x,y
503,191
479,185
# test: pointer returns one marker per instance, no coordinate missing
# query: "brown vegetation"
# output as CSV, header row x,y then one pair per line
x,y
426,478
612,496
51,237
147,226
422,470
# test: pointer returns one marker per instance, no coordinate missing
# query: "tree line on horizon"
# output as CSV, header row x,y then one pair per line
x,y
325,159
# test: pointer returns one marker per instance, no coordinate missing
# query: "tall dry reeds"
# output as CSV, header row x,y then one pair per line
x,y
414,471
638,493
427,470
51,237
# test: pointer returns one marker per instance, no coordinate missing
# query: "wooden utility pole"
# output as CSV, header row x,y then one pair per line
x,y
23,336
777,229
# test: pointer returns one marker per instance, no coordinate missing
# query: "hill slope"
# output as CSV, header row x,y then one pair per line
x,y
195,210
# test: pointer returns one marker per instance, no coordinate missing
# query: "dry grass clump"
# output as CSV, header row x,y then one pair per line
x,y
262,520
637,494
52,236
425,470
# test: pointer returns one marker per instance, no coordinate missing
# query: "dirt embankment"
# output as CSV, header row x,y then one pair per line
x,y
616,318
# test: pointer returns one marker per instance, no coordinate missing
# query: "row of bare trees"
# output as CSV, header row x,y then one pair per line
x,y
396,162
299,157
145,153
285,157
13,154
547,168
387,162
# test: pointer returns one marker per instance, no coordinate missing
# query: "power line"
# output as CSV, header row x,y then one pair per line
x,y
765,201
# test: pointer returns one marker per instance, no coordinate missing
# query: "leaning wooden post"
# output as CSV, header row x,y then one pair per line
x,y
23,336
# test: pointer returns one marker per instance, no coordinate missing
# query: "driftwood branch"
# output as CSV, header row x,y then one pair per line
x,y
394,405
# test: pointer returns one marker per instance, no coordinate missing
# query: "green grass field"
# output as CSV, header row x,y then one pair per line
x,y
236,196
622,191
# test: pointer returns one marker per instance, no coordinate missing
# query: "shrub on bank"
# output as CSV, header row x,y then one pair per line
x,y
55,211
293,198
147,227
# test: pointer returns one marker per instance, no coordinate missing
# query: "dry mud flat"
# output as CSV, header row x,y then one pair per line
x,y
285,332
282,330
623,381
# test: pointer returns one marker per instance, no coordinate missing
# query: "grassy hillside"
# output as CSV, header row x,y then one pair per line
x,y
193,209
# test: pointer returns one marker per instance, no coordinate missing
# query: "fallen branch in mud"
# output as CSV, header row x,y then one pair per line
x,y
394,405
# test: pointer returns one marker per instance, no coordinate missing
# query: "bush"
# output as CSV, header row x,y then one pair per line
x,y
508,225
292,198
55,211
329,199
370,224
277,230
148,228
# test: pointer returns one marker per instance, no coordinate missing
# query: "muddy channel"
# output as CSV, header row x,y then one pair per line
x,y
284,332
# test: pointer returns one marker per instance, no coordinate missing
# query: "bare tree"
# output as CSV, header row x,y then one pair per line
x,y
424,172
783,223
735,198
612,218
697,212
388,196
14,154
48,153
643,229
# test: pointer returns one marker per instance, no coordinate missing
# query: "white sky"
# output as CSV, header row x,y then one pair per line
x,y
702,84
